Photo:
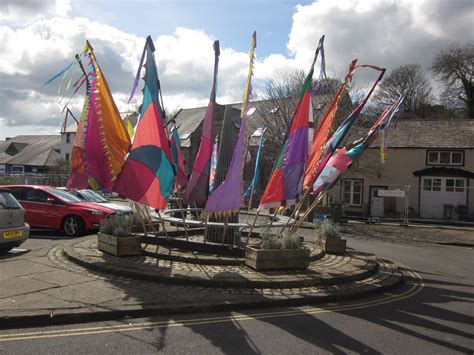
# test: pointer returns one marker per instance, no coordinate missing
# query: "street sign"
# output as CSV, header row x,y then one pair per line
x,y
391,193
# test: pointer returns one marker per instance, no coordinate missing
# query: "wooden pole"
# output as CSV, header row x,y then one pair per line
x,y
225,228
274,217
308,211
252,227
140,215
184,219
150,220
296,210
205,227
162,223
250,201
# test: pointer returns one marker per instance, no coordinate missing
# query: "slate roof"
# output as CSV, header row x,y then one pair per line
x,y
39,151
418,133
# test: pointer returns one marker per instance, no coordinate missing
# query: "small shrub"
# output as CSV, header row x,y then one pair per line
x,y
290,241
327,229
118,226
270,241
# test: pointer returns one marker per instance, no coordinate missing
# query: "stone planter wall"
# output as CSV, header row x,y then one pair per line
x,y
269,259
119,246
331,245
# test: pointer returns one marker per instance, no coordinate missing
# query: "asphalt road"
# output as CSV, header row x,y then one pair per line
x,y
436,318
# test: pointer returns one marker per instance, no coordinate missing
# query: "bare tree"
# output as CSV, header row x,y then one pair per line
x,y
407,78
454,67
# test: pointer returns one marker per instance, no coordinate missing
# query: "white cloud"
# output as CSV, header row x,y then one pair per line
x,y
30,10
379,32
384,33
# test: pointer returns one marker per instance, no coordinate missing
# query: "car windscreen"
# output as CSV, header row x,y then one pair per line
x,y
93,196
7,201
64,195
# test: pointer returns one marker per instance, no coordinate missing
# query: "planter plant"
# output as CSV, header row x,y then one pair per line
x,y
278,252
328,237
115,236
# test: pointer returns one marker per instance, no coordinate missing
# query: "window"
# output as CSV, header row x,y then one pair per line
x,y
34,195
443,184
445,157
352,192
67,156
68,137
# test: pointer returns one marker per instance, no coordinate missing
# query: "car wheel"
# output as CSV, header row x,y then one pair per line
x,y
73,226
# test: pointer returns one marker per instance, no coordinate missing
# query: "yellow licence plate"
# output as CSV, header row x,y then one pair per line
x,y
11,234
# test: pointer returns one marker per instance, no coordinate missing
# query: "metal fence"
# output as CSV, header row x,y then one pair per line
x,y
34,179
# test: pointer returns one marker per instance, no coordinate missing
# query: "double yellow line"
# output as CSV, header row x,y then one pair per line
x,y
414,289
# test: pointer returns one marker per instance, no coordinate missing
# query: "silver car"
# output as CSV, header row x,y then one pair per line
x,y
13,228
92,196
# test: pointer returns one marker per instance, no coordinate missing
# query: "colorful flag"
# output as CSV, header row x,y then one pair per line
x,y
147,175
178,159
101,141
331,145
227,197
285,183
198,184
212,174
105,139
254,182
343,159
325,129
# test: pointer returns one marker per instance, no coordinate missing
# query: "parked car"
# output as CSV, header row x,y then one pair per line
x,y
13,228
92,196
50,208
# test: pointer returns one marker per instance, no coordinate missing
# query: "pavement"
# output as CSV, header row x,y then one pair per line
x,y
73,282
460,235
70,281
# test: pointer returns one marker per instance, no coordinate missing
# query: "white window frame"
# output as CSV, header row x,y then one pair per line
x,y
438,154
352,183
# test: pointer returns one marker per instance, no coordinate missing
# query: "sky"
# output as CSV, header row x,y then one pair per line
x,y
40,37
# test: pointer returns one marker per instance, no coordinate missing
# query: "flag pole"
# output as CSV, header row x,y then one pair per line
x,y
252,227
308,211
184,218
225,227
296,210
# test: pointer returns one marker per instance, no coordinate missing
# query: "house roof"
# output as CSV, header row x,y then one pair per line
x,y
39,150
418,133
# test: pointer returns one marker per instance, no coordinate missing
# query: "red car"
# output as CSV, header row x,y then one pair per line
x,y
49,208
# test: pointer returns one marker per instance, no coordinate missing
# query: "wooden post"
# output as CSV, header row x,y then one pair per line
x,y
140,215
251,228
162,223
184,219
308,211
150,220
205,227
296,210
225,228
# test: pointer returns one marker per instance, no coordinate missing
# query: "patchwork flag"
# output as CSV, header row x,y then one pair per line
x,y
105,139
102,141
337,138
198,184
147,175
325,129
285,183
343,158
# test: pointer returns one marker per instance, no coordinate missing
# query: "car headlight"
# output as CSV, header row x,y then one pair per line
x,y
98,213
